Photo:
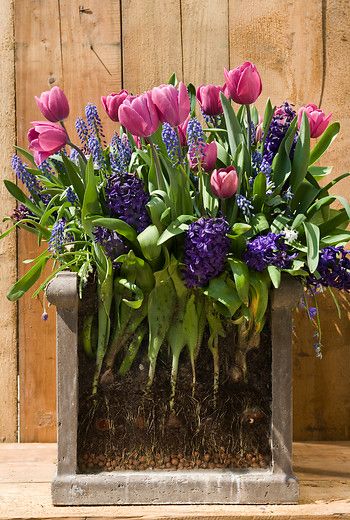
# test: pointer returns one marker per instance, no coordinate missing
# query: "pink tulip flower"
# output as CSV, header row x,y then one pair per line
x,y
209,99
45,139
139,115
224,182
210,155
112,103
183,131
53,104
243,83
317,119
173,105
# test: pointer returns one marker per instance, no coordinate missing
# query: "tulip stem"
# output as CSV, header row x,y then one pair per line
x,y
249,123
158,168
72,145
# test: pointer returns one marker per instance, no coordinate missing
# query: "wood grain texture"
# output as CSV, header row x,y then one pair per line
x,y
323,470
8,253
38,66
205,40
152,48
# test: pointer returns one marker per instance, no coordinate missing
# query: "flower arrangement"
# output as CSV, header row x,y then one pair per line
x,y
184,226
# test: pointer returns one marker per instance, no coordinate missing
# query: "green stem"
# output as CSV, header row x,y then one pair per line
x,y
174,372
249,122
158,167
216,363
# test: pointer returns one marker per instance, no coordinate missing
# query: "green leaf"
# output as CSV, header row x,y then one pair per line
x,y
260,298
177,227
29,279
173,80
234,130
240,228
301,154
240,273
148,241
281,165
268,115
312,233
91,205
279,223
275,275
191,89
18,194
259,223
339,218
74,177
259,190
134,289
222,154
27,155
220,291
115,224
324,142
319,171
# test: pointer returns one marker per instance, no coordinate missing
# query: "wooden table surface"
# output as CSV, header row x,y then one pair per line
x,y
323,469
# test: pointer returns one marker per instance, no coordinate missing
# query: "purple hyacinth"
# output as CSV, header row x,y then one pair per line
x,y
20,213
120,153
110,241
280,123
172,144
195,140
126,199
58,237
333,268
265,250
206,249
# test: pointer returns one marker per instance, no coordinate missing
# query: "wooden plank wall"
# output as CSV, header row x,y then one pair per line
x,y
302,51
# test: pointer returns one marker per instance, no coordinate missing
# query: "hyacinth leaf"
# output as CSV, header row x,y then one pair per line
x,y
268,115
301,154
91,206
340,237
176,340
339,218
240,273
299,219
220,291
324,142
161,307
259,298
18,194
194,325
29,278
312,234
156,208
275,275
279,223
259,191
234,129
320,171
115,224
138,270
240,228
148,241
134,289
74,177
132,350
36,229
281,165
178,226
325,201
88,330
259,223
305,195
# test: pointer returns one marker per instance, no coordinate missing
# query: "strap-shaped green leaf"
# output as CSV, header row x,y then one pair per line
x,y
312,234
234,129
240,273
29,278
301,154
324,142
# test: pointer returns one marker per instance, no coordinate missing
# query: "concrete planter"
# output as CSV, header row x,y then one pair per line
x,y
276,484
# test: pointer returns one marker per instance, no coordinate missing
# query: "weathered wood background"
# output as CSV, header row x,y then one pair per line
x,y
90,48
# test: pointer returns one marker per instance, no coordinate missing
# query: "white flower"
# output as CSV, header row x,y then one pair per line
x,y
290,235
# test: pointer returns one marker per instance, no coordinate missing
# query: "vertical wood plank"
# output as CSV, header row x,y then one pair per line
x,y
205,40
38,66
8,310
151,33
91,53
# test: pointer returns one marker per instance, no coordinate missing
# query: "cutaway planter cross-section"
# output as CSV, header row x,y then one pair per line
x,y
125,446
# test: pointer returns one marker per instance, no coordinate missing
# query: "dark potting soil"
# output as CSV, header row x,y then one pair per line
x,y
125,428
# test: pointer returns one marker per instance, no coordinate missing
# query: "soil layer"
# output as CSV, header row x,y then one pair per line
x,y
125,427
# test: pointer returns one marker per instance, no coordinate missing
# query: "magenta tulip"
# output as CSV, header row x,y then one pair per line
x,y
173,105
112,103
224,182
210,155
139,115
45,139
53,104
183,131
317,119
209,99
243,84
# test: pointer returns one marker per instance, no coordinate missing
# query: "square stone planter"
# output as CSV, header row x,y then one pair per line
x,y
275,485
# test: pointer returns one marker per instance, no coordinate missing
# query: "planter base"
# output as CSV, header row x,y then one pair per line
x,y
195,487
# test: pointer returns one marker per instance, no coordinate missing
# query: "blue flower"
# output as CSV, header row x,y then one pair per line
x,y
172,144
110,241
120,153
280,123
265,250
196,141
57,239
333,268
245,206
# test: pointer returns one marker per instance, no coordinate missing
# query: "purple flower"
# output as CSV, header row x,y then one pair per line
x,y
195,140
82,130
110,241
20,213
126,199
206,249
28,179
44,316
172,144
245,206
95,148
58,239
265,250
280,123
333,269
120,153
70,195
312,311
93,120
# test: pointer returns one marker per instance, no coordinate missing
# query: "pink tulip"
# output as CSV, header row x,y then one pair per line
x,y
317,119
112,103
210,155
243,83
183,131
209,99
45,139
259,130
173,105
224,182
53,104
139,115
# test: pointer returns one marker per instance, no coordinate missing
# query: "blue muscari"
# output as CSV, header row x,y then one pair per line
x,y
95,148
120,154
172,144
245,206
93,120
70,195
195,139
28,179
57,239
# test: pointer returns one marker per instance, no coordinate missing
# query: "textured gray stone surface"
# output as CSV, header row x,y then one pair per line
x,y
275,485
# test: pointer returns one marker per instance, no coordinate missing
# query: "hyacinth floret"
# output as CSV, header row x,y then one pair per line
x,y
280,123
120,154
126,199
21,212
58,238
206,249
195,140
245,206
260,164
265,250
333,269
288,195
111,242
172,144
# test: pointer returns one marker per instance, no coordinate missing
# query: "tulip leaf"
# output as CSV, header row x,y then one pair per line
x,y
312,234
281,165
91,204
177,227
268,115
301,154
324,142
240,273
234,129
115,224
148,241
27,155
29,278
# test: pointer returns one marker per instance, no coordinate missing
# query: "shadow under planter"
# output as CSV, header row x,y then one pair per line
x,y
277,484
